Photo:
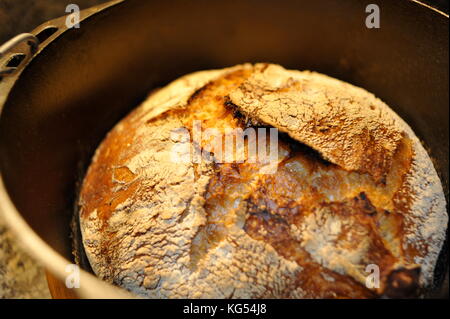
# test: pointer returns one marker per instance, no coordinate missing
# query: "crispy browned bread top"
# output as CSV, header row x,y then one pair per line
x,y
353,187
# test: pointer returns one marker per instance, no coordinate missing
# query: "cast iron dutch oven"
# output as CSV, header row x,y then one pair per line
x,y
62,89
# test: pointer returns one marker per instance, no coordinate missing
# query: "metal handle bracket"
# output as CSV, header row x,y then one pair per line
x,y
10,45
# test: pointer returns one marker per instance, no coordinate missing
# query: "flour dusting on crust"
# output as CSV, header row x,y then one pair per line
x,y
165,229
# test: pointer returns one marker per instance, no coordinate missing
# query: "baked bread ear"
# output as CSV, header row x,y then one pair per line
x,y
347,125
353,195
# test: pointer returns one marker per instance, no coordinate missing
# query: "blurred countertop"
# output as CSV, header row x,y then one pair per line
x,y
20,275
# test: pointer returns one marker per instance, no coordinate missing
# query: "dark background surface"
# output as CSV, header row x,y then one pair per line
x,y
439,4
17,16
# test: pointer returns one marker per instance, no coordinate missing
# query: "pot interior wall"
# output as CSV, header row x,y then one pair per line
x,y
85,81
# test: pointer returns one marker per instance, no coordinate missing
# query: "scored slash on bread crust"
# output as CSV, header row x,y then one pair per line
x,y
185,230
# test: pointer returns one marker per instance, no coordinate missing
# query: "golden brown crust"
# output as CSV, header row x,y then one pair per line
x,y
165,229
345,124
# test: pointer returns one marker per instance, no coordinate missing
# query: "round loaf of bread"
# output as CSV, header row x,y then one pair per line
x,y
340,199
